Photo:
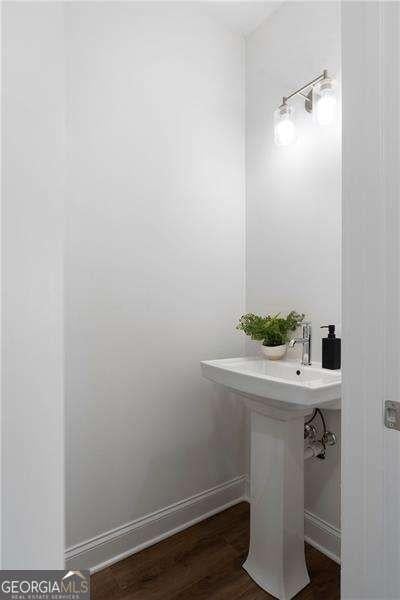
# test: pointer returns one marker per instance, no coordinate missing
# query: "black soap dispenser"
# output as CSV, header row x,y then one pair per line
x,y
331,349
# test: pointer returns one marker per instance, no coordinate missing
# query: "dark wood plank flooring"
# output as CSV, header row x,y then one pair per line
x,y
204,562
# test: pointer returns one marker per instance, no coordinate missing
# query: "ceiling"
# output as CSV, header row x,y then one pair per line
x,y
242,17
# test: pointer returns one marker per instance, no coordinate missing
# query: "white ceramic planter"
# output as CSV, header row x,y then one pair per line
x,y
274,352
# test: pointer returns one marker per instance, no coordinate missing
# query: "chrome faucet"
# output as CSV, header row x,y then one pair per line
x,y
306,341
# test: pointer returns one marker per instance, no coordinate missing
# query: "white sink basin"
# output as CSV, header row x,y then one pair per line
x,y
277,383
279,396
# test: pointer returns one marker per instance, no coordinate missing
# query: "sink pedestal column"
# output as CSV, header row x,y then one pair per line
x,y
276,556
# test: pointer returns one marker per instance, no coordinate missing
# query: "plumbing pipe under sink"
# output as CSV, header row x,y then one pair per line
x,y
313,450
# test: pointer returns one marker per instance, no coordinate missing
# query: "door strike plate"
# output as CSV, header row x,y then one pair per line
x,y
392,415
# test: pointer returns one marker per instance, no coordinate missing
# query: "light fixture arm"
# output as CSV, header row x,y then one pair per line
x,y
300,91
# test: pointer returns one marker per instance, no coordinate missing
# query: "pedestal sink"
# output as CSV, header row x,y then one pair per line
x,y
279,394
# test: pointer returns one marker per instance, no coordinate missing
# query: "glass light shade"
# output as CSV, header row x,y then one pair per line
x,y
325,102
284,127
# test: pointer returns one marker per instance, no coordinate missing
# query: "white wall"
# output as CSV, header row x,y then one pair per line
x,y
33,161
154,258
293,196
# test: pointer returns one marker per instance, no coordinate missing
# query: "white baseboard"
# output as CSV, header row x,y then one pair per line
x,y
322,536
110,547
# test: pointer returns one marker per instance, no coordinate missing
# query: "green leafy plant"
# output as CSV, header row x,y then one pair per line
x,y
271,330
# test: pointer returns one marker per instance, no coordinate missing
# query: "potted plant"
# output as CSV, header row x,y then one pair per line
x,y
271,330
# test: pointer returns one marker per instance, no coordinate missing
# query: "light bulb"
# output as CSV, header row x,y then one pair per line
x,y
325,102
284,129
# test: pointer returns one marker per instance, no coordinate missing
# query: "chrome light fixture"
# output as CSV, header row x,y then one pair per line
x,y
320,99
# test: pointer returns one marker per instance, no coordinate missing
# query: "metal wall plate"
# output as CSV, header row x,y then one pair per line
x,y
392,415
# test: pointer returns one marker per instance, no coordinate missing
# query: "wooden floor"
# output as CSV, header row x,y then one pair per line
x,y
204,562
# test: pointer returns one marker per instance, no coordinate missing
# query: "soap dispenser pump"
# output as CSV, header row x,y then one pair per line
x,y
331,349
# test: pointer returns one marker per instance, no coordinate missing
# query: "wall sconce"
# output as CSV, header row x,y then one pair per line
x,y
320,100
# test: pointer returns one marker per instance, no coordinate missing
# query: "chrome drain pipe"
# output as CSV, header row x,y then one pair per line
x,y
316,448
313,450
